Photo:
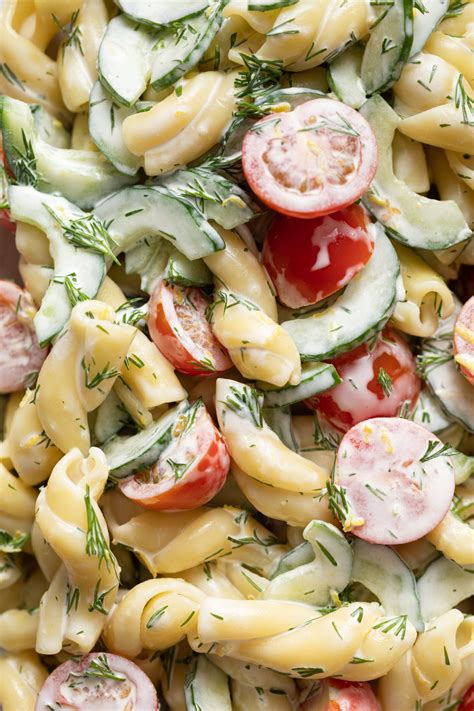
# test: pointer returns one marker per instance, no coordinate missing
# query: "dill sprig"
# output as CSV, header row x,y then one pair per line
x,y
72,599
255,84
437,449
228,300
73,291
25,163
130,313
337,501
324,440
105,374
246,402
385,382
463,101
99,597
255,539
13,543
455,9
95,540
179,469
99,668
71,32
400,623
431,358
87,232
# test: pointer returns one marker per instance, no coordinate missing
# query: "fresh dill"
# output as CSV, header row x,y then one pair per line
x,y
73,291
13,543
96,544
71,31
97,603
246,402
385,382
87,232
99,668
25,163
105,374
437,449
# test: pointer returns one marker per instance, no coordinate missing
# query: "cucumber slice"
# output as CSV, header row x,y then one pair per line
x,y
319,581
463,467
88,268
425,22
49,128
279,419
428,413
180,51
301,555
125,59
264,5
83,177
206,687
184,272
153,210
110,418
388,48
343,76
105,127
126,455
408,217
442,586
355,316
161,12
385,574
315,378
219,198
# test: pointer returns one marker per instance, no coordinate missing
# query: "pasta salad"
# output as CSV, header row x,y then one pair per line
x,y
237,359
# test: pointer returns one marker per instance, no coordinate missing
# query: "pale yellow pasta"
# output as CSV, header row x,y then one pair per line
x,y
10,571
295,639
33,26
455,50
18,630
80,136
212,579
32,453
247,582
442,126
462,166
431,668
166,135
451,187
173,681
72,523
455,539
77,62
90,347
46,558
171,542
261,22
32,244
36,72
427,297
21,677
409,163
155,614
17,504
306,34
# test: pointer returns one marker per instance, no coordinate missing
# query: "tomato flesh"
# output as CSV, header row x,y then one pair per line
x,y
98,682
20,353
467,703
308,260
189,472
179,328
397,483
375,383
311,161
339,695
463,340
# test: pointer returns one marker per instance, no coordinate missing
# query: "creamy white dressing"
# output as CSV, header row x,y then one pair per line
x,y
79,693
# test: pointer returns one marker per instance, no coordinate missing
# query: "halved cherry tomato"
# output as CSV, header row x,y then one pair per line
x,y
311,161
393,484
307,260
376,383
338,695
189,472
20,353
463,340
179,328
467,703
97,682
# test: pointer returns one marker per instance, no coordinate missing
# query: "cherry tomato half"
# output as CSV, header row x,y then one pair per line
x,y
311,161
396,482
376,383
463,340
307,260
467,703
179,328
98,681
20,353
338,695
189,472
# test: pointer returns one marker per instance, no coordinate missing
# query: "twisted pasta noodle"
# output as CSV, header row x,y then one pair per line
x,y
46,558
32,244
80,137
17,505
212,580
426,672
426,82
31,451
462,166
166,135
427,298
89,356
261,22
77,70
18,630
442,126
454,537
21,678
30,75
176,661
295,639
244,316
450,187
73,610
455,50
155,614
308,33
170,543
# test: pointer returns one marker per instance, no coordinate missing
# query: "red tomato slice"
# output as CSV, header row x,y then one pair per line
x,y
375,383
314,160
338,695
20,354
98,682
463,340
189,472
467,703
307,260
397,483
179,328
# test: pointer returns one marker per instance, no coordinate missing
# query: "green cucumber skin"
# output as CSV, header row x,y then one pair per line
x,y
343,76
265,5
315,378
442,586
206,687
127,7
393,74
